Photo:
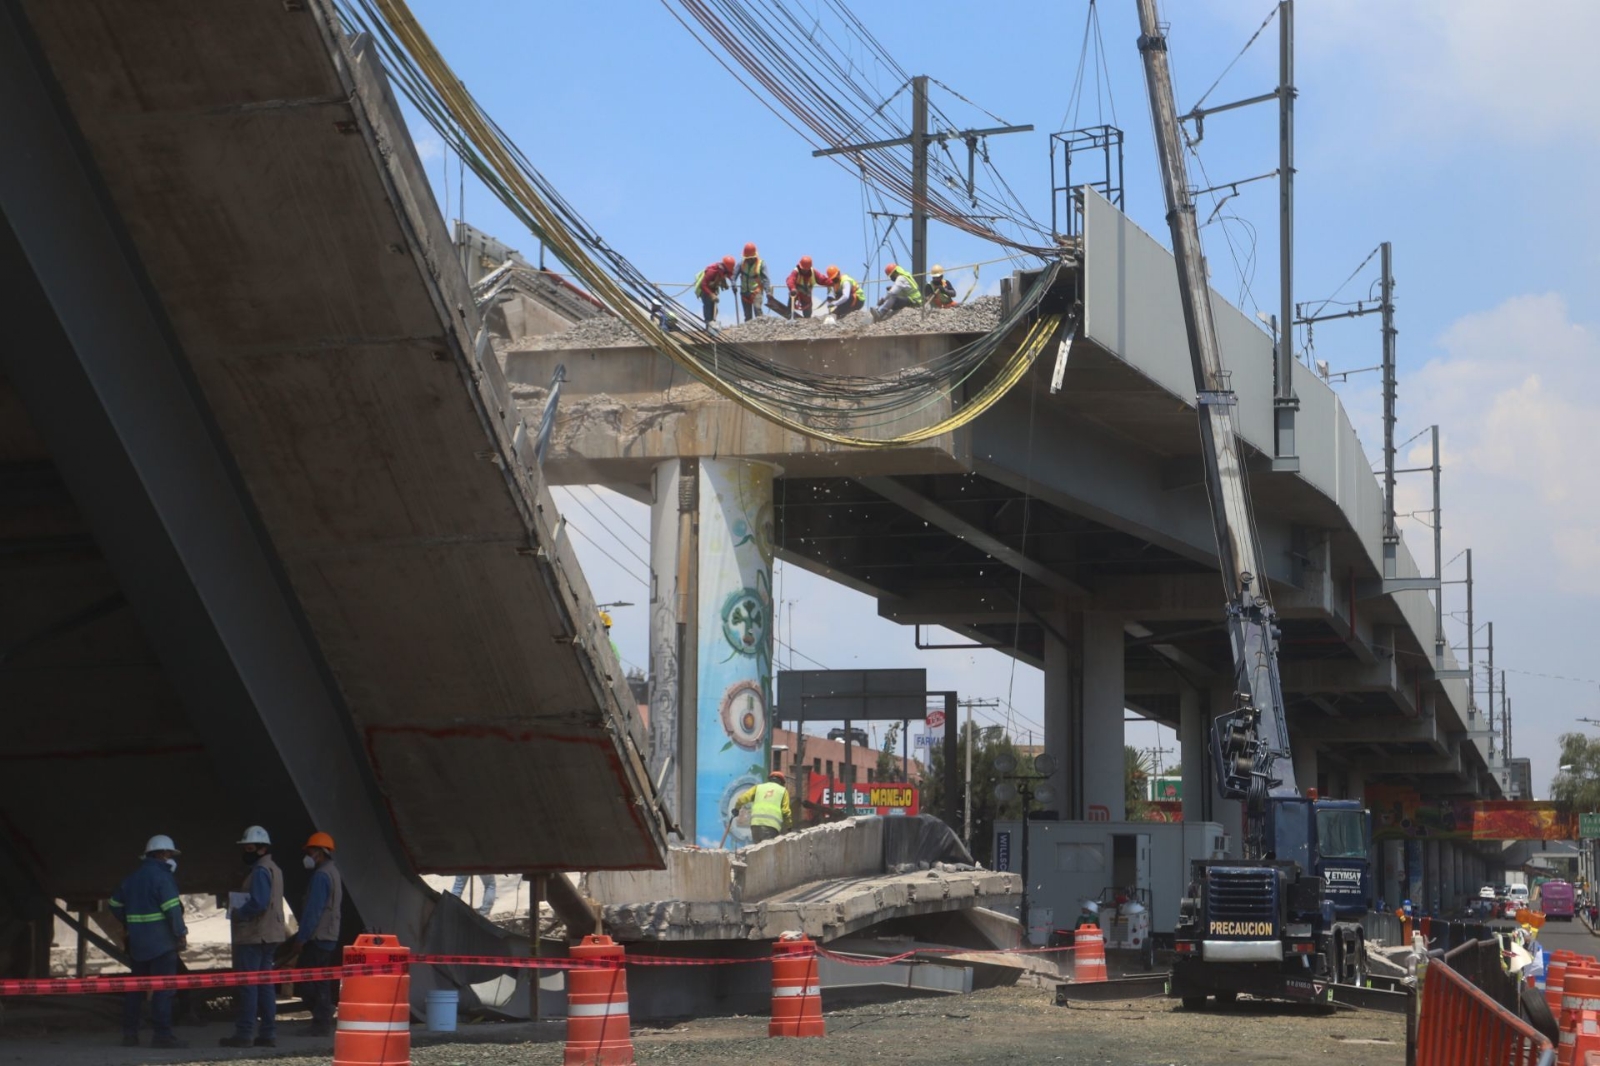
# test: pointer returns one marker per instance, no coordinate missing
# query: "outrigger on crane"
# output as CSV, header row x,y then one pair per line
x,y
1284,922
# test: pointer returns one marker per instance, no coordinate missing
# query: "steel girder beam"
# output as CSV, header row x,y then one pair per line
x,y
975,535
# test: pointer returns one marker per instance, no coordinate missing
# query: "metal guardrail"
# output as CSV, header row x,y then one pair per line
x,y
1462,1025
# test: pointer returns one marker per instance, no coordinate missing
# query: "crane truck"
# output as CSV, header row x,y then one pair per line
x,y
1283,922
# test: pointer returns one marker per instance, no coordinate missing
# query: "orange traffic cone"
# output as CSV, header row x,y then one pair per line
x,y
1088,954
374,1020
597,1007
796,990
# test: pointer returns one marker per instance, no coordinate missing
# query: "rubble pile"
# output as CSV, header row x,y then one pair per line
x,y
981,315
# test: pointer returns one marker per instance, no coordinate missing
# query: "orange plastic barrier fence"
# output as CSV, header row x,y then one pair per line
x,y
373,1027
1461,1026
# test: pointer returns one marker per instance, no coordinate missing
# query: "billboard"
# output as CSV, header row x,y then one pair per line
x,y
1399,813
882,797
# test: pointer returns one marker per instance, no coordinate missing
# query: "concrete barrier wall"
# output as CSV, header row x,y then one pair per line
x,y
847,849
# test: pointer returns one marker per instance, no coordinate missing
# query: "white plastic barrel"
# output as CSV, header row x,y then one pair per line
x,y
442,1004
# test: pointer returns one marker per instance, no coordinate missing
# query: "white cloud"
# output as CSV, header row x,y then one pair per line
x,y
1517,394
429,147
1509,72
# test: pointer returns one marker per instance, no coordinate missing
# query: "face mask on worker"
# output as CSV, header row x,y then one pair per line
x,y
248,858
172,864
310,862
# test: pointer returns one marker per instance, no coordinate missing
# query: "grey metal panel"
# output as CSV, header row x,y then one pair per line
x,y
853,695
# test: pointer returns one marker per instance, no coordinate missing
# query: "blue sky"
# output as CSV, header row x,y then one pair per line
x,y
1463,131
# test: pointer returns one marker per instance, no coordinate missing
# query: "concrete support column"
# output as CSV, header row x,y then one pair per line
x,y
1449,882
1355,784
1104,708
1194,757
1061,719
1431,897
1393,887
711,637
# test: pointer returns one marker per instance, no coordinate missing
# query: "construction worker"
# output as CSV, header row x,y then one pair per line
x,y
151,914
903,292
710,283
940,292
753,283
802,279
486,902
844,293
258,932
769,807
318,935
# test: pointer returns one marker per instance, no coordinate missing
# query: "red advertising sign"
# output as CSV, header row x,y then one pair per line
x,y
880,797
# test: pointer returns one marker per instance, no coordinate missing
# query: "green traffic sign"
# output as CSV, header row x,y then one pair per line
x,y
1588,826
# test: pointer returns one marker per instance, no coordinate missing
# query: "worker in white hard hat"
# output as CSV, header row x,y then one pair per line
x,y
150,911
258,932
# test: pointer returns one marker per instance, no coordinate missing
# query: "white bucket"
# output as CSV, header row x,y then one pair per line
x,y
442,1004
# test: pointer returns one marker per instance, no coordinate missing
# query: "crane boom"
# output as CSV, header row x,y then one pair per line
x,y
1250,743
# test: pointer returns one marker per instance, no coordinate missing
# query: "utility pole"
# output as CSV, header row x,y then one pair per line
x,y
1491,693
919,139
1391,537
919,177
1438,562
1284,403
1472,637
1505,718
972,728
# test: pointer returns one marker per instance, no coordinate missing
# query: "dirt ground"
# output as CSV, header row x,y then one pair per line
x,y
1004,1025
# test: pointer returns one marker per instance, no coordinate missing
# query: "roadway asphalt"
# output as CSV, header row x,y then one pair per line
x,y
1573,935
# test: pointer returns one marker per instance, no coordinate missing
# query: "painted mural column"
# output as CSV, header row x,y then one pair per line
x,y
711,640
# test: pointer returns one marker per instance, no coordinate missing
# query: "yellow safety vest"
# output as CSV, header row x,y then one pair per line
x,y
752,270
916,293
766,808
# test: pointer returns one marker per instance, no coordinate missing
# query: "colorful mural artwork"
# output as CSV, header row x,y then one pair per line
x,y
1399,813
735,649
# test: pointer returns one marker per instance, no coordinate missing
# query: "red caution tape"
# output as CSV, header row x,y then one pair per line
x,y
68,986
504,962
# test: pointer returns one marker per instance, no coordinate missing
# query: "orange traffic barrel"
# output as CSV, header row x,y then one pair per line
x,y
1088,954
796,990
373,1027
1555,978
597,1007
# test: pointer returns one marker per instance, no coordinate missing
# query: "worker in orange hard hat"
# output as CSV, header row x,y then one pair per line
x,y
711,282
903,292
753,282
940,292
770,813
802,279
844,294
318,937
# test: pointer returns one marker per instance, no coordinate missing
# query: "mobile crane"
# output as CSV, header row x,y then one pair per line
x,y
1284,922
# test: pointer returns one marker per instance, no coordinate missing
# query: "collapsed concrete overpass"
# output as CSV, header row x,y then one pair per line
x,y
272,540
1088,501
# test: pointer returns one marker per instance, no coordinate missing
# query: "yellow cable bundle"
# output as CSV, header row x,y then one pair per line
x,y
454,96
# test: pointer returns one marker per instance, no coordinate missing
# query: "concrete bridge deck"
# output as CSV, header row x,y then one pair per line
x,y
272,543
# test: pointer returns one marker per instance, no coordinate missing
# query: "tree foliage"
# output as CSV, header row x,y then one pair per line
x,y
1579,786
887,770
988,744
1136,783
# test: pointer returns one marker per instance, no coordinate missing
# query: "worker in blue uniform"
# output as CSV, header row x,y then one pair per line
x,y
318,936
150,911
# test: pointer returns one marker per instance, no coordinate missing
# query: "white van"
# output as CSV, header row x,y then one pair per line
x,y
1518,894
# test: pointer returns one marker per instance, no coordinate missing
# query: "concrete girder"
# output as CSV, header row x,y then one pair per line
x,y
1380,730
1173,654
1328,676
1198,597
1111,480
952,523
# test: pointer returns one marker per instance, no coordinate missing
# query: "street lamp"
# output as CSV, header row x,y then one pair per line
x,y
1030,787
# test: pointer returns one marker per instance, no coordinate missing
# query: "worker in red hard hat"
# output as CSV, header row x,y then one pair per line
x,y
711,282
903,292
769,807
318,936
753,282
802,279
844,294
